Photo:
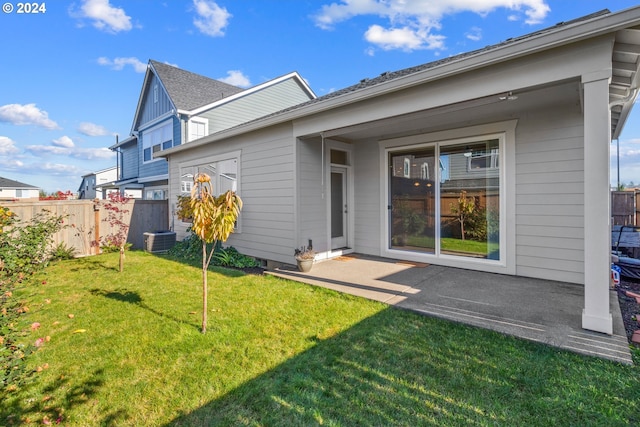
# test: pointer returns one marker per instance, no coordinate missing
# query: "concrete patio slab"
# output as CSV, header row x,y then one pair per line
x,y
538,310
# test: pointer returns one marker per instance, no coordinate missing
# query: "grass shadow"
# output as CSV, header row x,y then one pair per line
x,y
124,295
450,375
59,397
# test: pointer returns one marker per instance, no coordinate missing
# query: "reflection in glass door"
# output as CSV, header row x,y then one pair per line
x,y
470,200
412,187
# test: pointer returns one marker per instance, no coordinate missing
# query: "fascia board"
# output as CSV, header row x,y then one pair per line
x,y
539,43
248,92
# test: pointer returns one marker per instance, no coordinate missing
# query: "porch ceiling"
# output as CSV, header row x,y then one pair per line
x,y
623,88
477,111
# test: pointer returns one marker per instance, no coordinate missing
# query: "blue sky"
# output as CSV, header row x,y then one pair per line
x,y
70,76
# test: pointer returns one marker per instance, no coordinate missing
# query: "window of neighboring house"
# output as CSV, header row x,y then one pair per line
x,y
156,139
198,128
19,193
482,159
155,194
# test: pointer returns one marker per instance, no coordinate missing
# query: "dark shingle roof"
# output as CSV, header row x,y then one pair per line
x,y
9,183
188,90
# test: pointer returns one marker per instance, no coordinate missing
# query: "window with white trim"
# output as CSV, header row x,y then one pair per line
x,y
198,128
156,139
223,170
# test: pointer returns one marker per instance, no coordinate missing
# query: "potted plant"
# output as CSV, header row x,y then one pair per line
x,y
304,257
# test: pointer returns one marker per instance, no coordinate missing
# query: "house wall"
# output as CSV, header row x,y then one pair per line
x,y
550,194
151,109
130,159
266,186
27,194
268,100
313,189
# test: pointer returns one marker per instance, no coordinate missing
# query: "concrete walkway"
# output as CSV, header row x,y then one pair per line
x,y
539,310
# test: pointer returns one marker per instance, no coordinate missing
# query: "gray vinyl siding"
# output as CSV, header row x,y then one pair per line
x,y
254,105
550,195
368,224
311,186
266,186
150,109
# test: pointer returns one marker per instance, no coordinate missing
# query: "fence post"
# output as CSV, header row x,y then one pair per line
x,y
96,215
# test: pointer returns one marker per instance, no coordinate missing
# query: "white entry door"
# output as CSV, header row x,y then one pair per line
x,y
339,208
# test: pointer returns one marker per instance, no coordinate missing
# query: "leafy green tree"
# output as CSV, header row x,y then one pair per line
x,y
214,219
464,210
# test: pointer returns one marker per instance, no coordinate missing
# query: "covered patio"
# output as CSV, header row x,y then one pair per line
x,y
544,311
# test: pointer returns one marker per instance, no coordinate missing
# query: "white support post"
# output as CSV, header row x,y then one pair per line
x,y
597,203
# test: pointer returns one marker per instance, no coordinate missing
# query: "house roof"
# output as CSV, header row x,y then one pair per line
x,y
188,90
623,89
10,183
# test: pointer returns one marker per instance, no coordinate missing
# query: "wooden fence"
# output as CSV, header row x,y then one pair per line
x,y
86,219
625,207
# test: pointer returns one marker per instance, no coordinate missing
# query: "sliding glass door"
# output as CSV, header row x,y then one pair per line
x,y
412,194
444,198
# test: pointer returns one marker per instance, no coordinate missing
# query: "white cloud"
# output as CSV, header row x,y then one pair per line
x,y
412,23
119,63
58,169
63,141
236,78
474,34
212,19
92,129
92,153
403,38
64,146
105,16
27,114
11,164
7,146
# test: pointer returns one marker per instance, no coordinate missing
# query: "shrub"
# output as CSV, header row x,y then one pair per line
x,y
62,251
24,247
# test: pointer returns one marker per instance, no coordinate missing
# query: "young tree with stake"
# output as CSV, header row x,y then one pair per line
x,y
214,219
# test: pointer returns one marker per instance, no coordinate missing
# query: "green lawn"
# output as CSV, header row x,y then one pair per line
x,y
283,353
449,244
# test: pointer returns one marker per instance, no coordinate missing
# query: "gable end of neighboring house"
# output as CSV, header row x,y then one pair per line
x,y
176,106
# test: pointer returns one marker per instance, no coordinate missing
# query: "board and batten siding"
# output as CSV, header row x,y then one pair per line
x,y
150,108
254,105
550,195
266,175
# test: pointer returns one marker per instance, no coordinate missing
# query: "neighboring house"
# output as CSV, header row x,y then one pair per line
x,y
96,185
11,190
528,122
176,106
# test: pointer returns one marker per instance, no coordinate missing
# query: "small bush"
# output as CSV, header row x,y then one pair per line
x,y
230,257
62,252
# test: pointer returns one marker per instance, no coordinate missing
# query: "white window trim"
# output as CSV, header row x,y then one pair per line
x,y
506,131
151,129
199,120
